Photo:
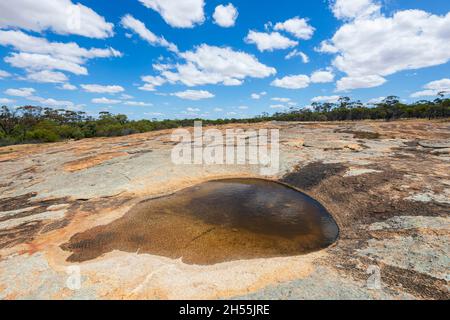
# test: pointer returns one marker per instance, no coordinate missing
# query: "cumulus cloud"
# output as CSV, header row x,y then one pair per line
x,y
277,106
151,82
22,92
297,27
137,104
284,100
178,13
4,74
269,41
376,100
194,94
355,9
50,102
257,96
225,16
125,96
214,65
129,22
370,46
47,76
67,86
62,17
35,62
37,55
433,88
292,82
328,99
303,81
359,82
6,101
71,51
322,76
97,88
104,100
296,53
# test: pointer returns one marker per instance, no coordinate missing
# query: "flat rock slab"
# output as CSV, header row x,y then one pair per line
x,y
388,196
437,144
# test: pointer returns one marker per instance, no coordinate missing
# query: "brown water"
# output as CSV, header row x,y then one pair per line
x,y
214,222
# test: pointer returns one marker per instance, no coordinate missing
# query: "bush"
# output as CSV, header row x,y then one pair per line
x,y
41,135
70,132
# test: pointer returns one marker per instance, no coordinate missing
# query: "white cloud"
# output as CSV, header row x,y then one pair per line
x,y
129,22
22,92
47,76
443,84
194,94
33,61
373,46
433,88
322,76
137,104
232,82
277,106
70,50
37,54
192,109
327,47
97,88
104,100
359,82
218,109
424,93
152,82
178,13
62,17
355,9
296,53
155,114
292,82
6,101
376,100
4,74
296,26
125,96
269,41
284,100
68,86
225,16
242,107
50,102
329,99
257,96
213,65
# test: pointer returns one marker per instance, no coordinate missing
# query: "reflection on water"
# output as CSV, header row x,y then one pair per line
x,y
214,222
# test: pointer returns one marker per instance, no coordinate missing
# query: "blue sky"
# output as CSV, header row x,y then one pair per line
x,y
230,58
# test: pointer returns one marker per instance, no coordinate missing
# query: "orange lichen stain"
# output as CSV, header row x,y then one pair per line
x,y
92,161
30,249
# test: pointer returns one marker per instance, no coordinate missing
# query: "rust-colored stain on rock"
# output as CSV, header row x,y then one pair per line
x,y
89,162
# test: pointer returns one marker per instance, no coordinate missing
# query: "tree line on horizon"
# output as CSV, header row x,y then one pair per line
x,y
34,124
